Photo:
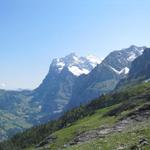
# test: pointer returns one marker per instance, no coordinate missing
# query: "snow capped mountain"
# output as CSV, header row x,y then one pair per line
x,y
120,60
55,91
75,64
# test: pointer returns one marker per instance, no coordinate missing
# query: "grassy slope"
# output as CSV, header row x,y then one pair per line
x,y
86,124
126,139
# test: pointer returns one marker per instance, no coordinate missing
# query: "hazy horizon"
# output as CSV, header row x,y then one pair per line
x,y
35,32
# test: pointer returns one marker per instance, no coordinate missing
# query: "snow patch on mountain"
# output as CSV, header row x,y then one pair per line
x,y
125,70
77,71
60,65
118,72
131,57
122,71
135,52
94,60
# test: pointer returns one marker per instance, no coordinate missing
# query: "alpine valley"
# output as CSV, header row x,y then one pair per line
x,y
83,103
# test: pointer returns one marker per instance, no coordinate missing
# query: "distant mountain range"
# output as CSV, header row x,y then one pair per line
x,y
70,82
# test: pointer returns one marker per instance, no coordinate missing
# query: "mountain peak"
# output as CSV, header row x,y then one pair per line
x,y
76,65
94,59
133,46
71,54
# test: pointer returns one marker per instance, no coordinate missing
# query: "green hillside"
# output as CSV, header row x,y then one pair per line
x,y
120,120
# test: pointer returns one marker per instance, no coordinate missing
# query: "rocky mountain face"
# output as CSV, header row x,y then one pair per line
x,y
105,76
141,66
122,59
139,71
56,89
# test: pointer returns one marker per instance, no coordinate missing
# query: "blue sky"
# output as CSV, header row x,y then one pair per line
x,y
33,32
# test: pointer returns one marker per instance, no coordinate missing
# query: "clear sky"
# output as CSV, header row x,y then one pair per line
x,y
33,32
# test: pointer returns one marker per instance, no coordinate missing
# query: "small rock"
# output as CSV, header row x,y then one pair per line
x,y
66,145
73,143
121,147
135,147
46,141
143,142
